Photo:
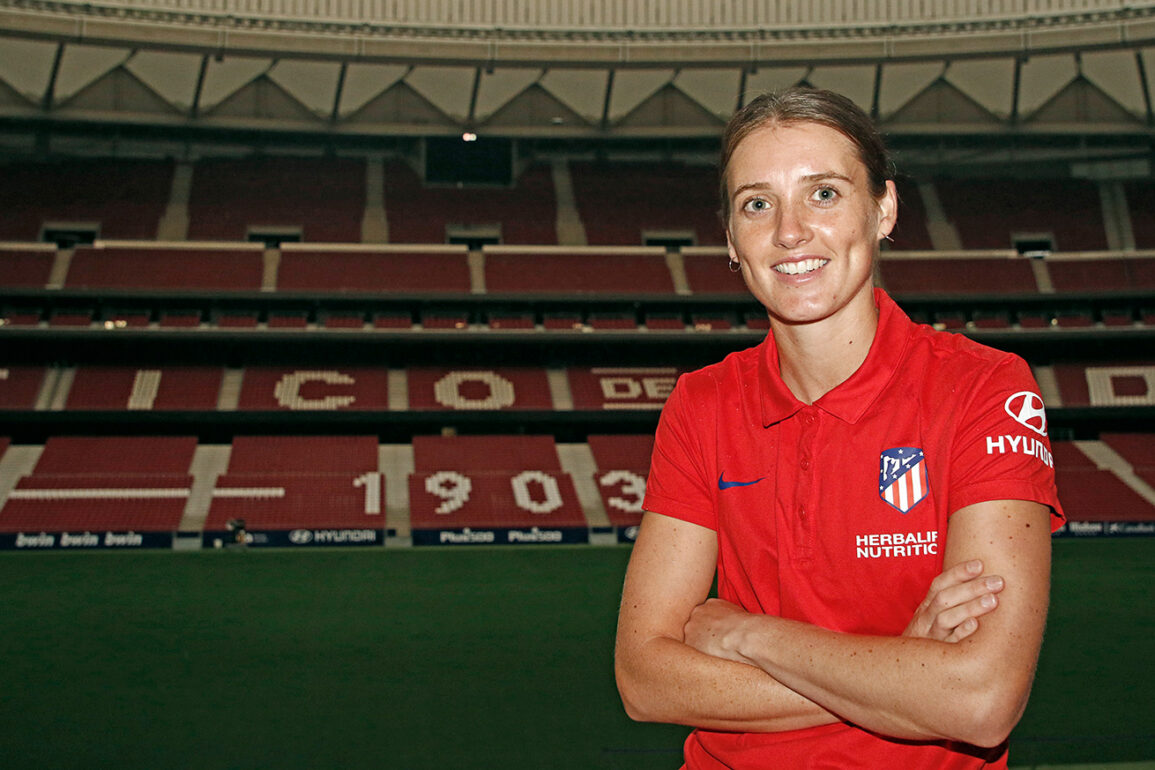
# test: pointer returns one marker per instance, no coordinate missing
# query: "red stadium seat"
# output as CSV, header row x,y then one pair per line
x,y
609,388
465,488
708,272
375,269
1106,384
989,214
321,199
1138,449
161,388
1091,494
619,203
303,454
525,213
474,388
1101,273
623,463
97,484
957,275
20,386
577,271
26,266
327,389
169,267
320,485
120,197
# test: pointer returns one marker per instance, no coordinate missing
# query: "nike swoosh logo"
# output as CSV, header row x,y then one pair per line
x,y
723,484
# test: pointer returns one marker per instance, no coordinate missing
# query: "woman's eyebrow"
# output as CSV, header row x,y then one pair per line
x,y
819,176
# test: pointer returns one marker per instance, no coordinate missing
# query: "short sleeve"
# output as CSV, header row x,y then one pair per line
x,y
678,484
1001,449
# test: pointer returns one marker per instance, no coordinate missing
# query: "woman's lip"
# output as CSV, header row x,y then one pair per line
x,y
801,266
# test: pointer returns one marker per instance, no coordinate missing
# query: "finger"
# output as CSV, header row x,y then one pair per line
x,y
956,575
949,620
957,595
963,630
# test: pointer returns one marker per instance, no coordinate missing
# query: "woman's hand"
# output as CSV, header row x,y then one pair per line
x,y
954,602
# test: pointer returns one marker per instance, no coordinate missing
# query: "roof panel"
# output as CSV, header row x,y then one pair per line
x,y
82,65
27,66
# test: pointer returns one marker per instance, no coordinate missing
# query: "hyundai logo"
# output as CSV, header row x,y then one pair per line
x,y
1027,409
301,536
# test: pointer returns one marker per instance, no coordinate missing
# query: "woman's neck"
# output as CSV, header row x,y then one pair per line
x,y
814,358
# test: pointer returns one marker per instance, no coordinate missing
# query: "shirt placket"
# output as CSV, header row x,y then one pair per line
x,y
805,506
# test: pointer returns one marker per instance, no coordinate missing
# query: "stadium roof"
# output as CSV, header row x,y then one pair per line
x,y
1039,71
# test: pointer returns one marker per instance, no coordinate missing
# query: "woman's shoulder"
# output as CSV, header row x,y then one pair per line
x,y
968,366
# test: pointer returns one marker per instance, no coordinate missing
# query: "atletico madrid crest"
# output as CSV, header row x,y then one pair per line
x,y
902,480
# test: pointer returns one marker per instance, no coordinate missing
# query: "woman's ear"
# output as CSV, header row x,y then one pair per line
x,y
888,210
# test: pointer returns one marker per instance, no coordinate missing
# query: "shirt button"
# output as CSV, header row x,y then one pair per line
x,y
804,463
802,513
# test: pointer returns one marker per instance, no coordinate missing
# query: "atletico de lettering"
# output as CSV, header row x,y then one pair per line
x,y
902,480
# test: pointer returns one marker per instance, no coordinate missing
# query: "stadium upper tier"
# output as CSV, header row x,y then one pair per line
x,y
554,202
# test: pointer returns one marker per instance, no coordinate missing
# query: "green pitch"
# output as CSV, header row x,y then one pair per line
x,y
440,658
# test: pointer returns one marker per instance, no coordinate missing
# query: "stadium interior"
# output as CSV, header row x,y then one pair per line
x,y
402,274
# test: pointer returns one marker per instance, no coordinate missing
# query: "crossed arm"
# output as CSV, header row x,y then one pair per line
x,y
685,659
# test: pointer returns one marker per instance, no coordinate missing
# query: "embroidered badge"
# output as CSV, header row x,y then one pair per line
x,y
902,480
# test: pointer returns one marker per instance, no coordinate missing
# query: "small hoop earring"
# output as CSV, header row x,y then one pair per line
x,y
887,237
735,266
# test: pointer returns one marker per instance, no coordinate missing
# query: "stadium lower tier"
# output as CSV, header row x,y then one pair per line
x,y
131,492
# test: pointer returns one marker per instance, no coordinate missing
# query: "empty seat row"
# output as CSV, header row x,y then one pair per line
x,y
452,489
466,388
534,270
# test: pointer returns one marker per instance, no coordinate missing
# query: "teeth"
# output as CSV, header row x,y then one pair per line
x,y
800,267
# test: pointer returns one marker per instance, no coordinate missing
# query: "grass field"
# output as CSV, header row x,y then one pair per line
x,y
440,658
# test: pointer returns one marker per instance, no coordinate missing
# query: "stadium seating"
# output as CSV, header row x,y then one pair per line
x,y
622,387
707,272
1106,383
623,464
525,213
375,269
1140,203
155,388
1102,273
1092,494
621,204
167,267
285,483
114,198
476,388
20,386
102,484
993,213
26,265
320,200
465,484
326,389
580,271
971,275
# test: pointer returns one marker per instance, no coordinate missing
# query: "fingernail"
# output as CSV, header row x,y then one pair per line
x,y
988,600
994,583
975,566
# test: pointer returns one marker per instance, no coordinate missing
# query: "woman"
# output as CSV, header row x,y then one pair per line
x,y
849,483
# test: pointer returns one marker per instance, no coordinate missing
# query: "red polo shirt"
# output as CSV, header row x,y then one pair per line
x,y
836,513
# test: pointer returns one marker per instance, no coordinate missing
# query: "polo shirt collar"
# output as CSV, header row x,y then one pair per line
x,y
850,400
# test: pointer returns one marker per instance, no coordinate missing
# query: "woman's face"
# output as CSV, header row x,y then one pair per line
x,y
802,221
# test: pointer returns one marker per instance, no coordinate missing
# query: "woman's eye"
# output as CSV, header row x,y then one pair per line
x,y
757,204
825,194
